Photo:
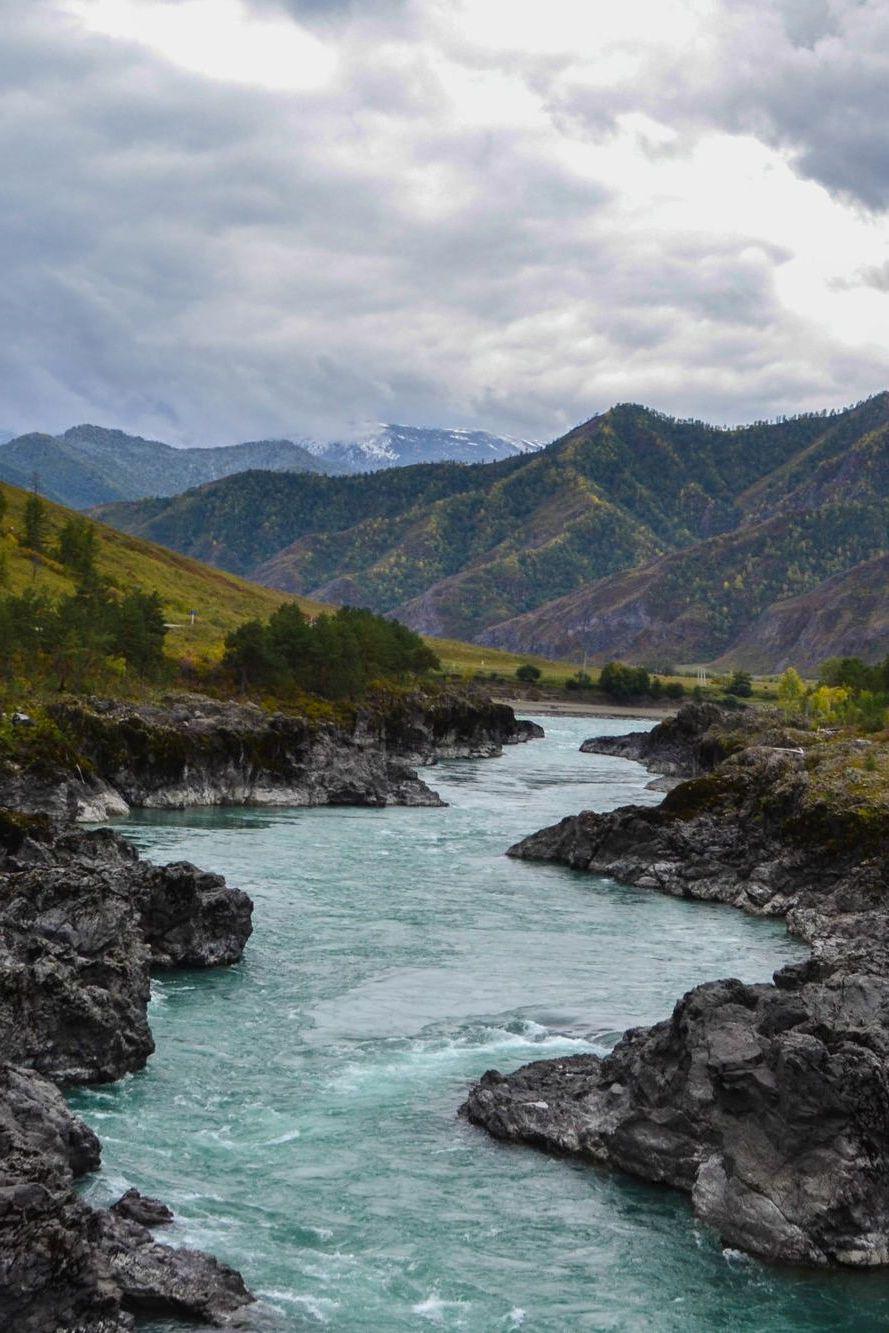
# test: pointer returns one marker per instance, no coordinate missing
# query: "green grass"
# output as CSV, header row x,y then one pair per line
x,y
222,601
466,659
463,659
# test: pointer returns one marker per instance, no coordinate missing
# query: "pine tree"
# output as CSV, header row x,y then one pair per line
x,y
78,547
35,517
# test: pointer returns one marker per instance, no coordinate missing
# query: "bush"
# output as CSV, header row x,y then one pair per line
x,y
621,682
740,685
528,673
855,675
581,681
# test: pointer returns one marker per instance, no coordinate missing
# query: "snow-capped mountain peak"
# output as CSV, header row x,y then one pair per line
x,y
392,445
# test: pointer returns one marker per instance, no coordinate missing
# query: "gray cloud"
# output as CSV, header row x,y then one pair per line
x,y
808,76
207,262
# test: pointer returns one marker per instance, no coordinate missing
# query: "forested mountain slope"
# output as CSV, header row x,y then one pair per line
x,y
633,535
90,465
695,605
846,616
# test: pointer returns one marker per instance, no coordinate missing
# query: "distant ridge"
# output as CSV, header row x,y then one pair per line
x,y
635,535
93,465
399,446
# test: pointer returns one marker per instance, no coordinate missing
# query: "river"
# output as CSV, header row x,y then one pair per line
x,y
299,1114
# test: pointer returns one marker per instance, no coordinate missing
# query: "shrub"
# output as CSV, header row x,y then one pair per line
x,y
528,673
740,685
621,682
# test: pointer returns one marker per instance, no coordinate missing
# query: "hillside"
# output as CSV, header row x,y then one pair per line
x,y
222,601
846,616
90,465
697,604
634,535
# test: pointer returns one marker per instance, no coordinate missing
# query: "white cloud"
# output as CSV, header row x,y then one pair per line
x,y
228,219
219,38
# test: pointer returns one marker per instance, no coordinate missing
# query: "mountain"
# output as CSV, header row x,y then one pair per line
x,y
736,597
845,616
464,551
635,535
90,465
400,446
698,604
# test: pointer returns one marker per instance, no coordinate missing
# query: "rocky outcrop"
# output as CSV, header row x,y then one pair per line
x,y
190,750
82,922
699,737
67,1266
768,1104
423,729
674,747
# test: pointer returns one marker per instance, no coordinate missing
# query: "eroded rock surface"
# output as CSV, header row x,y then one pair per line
x,y
191,750
82,921
65,1265
768,1104
695,740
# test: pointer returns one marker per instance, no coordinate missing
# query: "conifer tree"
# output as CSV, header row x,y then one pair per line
x,y
35,519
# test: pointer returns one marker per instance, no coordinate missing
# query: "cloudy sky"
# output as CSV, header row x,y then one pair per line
x,y
229,219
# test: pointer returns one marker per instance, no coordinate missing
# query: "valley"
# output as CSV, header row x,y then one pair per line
x,y
636,535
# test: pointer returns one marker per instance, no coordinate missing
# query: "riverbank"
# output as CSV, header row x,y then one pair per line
x,y
397,954
568,708
94,759
767,1104
84,923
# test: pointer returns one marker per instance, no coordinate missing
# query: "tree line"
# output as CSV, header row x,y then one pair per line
x,y
74,642
337,656
848,692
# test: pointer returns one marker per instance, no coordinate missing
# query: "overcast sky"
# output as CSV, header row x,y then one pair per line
x,y
232,219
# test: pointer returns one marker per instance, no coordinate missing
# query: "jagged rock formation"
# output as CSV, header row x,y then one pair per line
x,y
676,747
190,750
82,920
67,1266
769,1104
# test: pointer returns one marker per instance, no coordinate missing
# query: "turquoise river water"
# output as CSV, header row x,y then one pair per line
x,y
299,1114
